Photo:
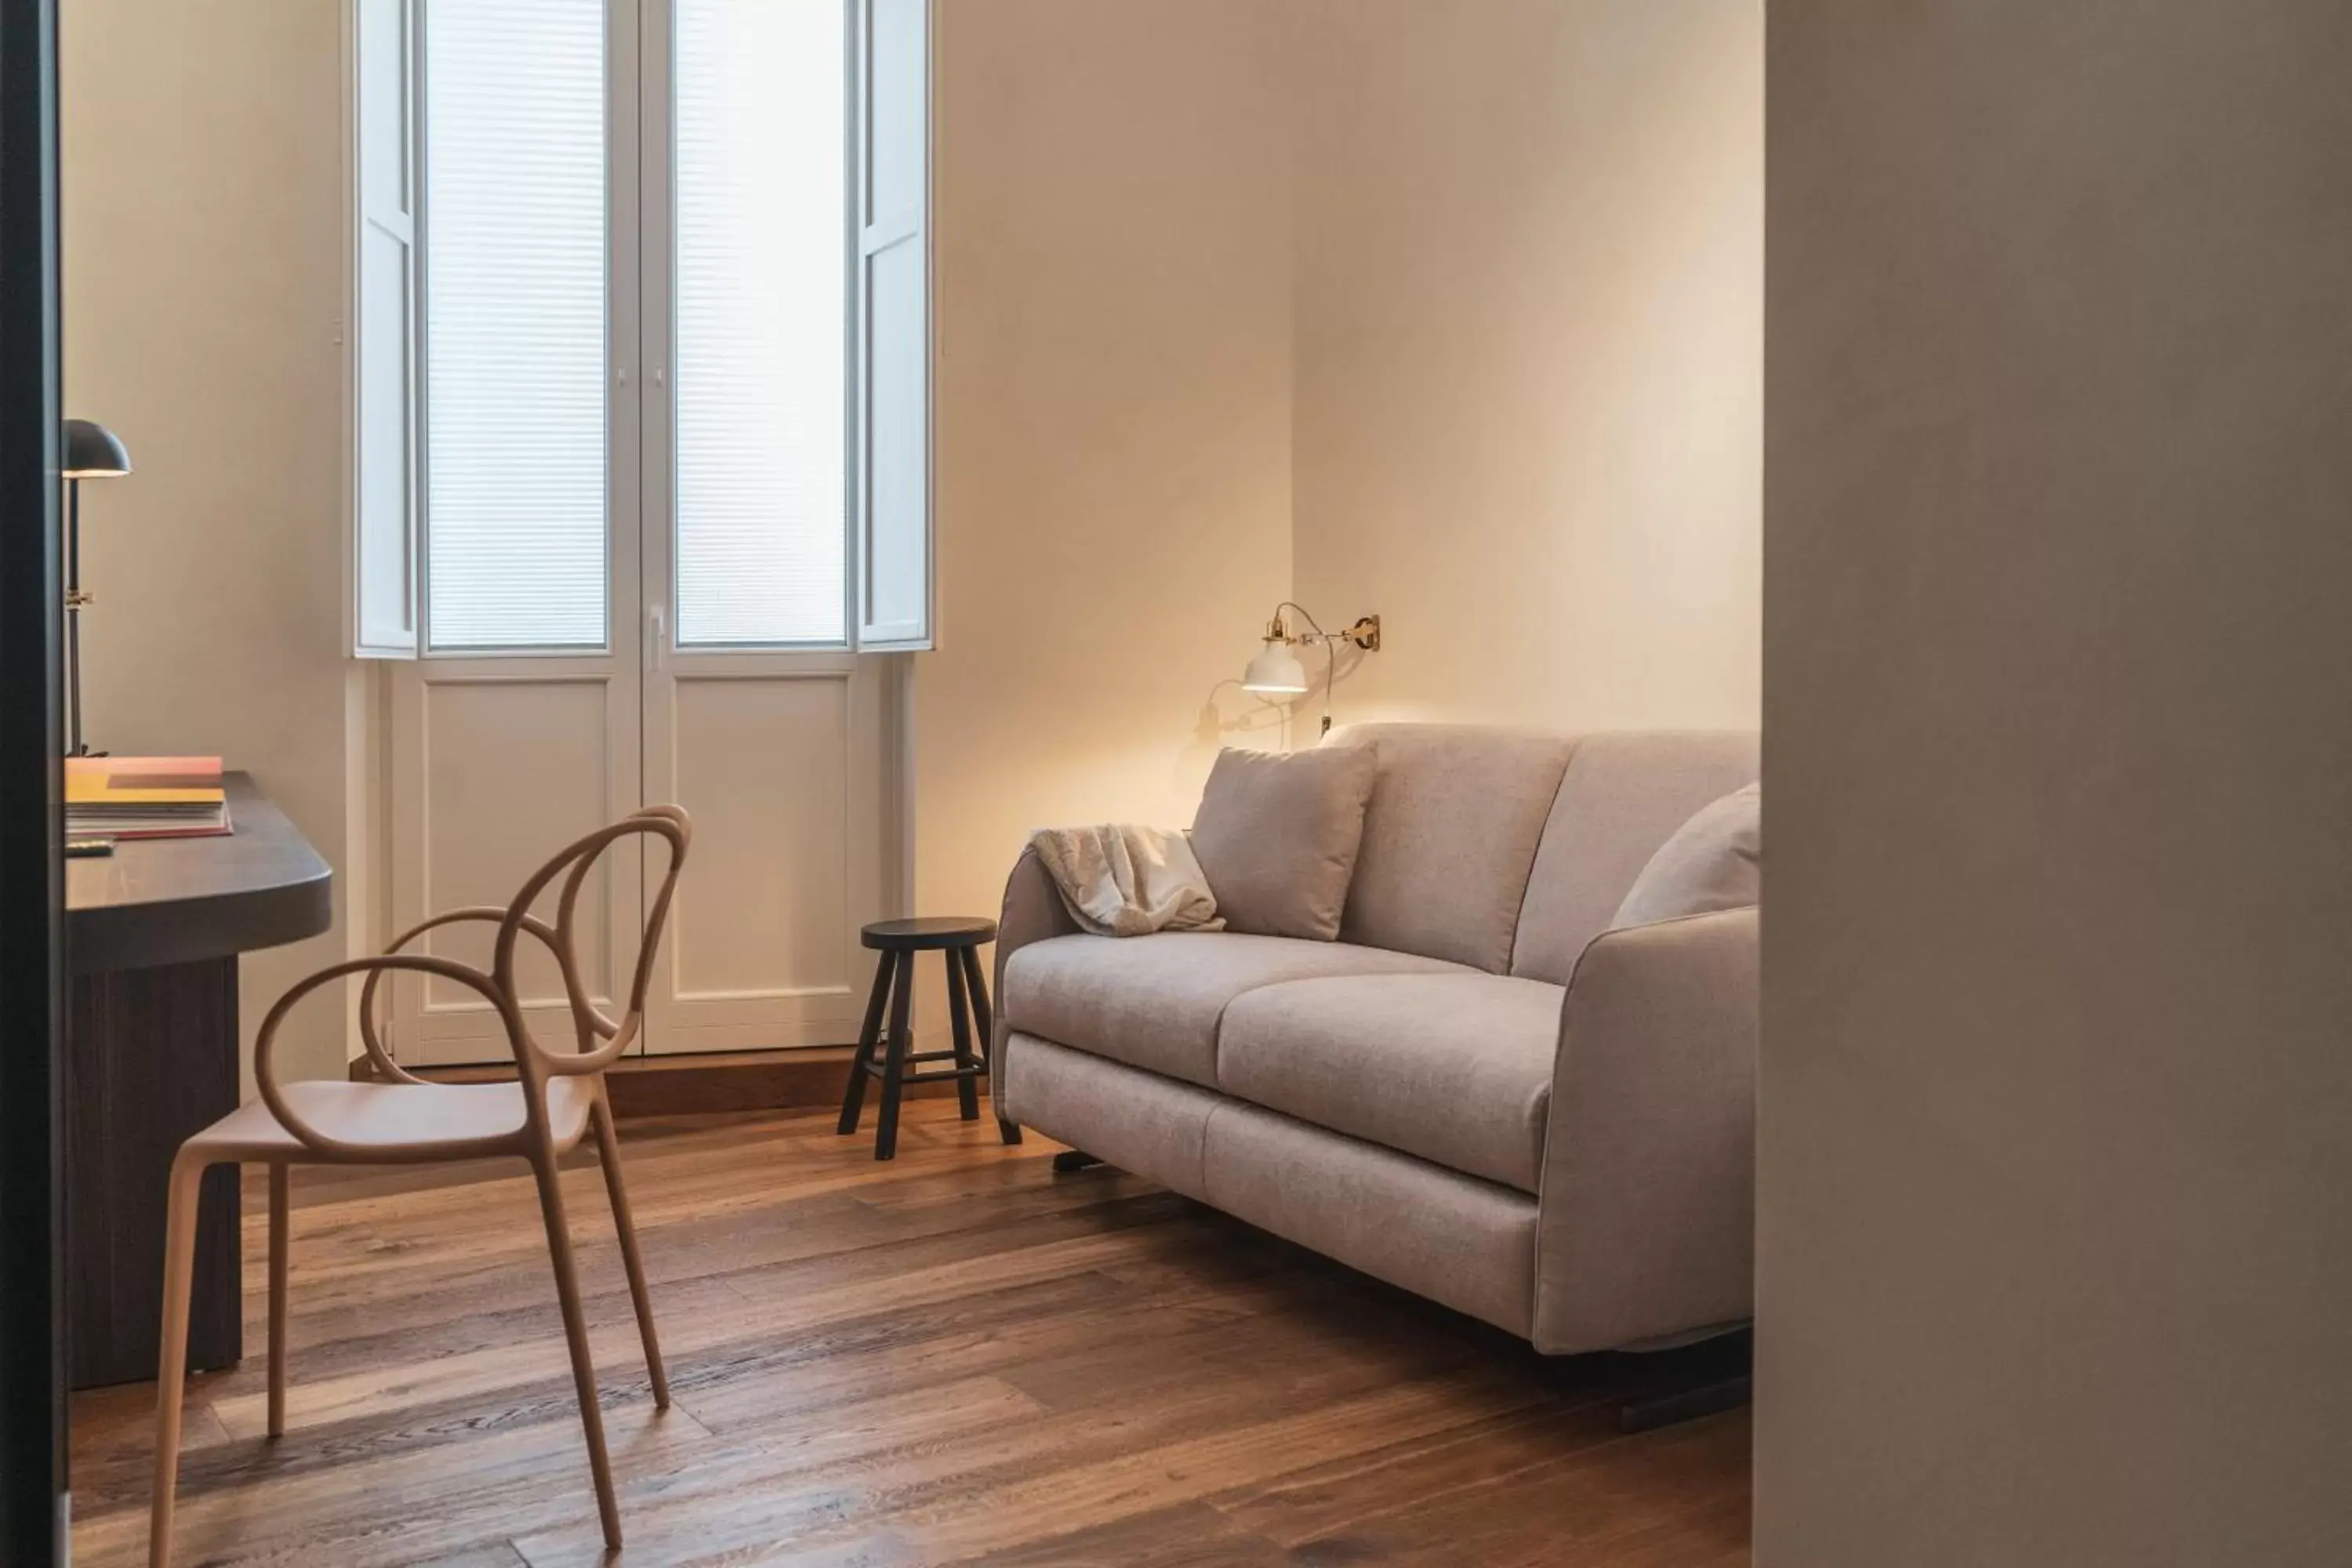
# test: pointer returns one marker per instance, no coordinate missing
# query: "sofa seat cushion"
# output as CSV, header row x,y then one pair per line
x,y
1154,1002
1455,1068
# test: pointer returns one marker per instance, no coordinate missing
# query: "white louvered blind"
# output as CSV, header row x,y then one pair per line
x,y
762,300
515,276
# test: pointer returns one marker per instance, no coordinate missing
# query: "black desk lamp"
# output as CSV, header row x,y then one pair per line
x,y
92,452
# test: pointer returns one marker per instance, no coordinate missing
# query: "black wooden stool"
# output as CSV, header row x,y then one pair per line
x,y
957,940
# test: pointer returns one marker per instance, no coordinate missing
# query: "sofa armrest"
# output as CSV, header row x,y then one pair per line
x,y
1032,911
1646,1227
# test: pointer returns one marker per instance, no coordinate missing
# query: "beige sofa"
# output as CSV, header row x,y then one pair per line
x,y
1479,1093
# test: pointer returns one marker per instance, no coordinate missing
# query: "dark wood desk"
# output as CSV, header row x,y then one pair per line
x,y
153,935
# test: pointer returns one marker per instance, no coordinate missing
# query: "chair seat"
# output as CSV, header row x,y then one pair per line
x,y
386,1118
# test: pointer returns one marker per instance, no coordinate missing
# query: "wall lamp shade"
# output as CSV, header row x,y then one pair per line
x,y
92,452
1275,670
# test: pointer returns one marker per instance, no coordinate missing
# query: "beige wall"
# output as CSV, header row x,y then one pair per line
x,y
1530,360
1504,339
203,283
1114,393
1114,416
1447,312
2056,1184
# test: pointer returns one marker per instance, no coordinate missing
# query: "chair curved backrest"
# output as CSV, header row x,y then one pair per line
x,y
598,1040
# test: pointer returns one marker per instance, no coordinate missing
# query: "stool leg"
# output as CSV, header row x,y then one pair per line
x,y
977,991
894,1059
869,1034
959,1020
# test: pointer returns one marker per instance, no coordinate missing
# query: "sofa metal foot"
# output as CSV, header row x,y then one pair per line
x,y
1070,1160
1694,1380
1684,1404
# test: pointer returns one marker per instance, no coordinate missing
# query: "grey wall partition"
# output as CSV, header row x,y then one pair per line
x,y
2056,1109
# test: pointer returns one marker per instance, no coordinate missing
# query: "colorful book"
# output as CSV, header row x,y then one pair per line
x,y
145,798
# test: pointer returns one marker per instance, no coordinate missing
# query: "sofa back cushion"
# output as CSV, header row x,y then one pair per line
x,y
1715,861
1622,795
1277,837
1457,813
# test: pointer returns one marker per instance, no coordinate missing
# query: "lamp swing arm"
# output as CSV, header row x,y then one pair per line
x,y
1365,634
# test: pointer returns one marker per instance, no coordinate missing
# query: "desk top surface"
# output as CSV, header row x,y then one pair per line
x,y
177,901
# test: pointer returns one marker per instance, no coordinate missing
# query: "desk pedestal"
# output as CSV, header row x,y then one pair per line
x,y
150,1057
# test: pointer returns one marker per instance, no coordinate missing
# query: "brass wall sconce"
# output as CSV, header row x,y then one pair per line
x,y
1276,672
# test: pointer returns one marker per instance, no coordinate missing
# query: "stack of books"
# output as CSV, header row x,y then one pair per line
x,y
144,797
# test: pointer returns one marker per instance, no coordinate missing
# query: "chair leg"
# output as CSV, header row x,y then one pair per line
x,y
278,1218
976,990
608,1154
894,1059
575,1330
869,1034
960,1023
172,1354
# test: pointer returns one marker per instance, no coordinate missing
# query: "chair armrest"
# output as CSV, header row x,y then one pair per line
x,y
1032,911
265,1043
1647,1225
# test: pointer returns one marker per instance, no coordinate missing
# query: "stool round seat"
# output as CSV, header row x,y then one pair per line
x,y
928,934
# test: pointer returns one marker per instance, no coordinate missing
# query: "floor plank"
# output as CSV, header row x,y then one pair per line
x,y
954,1357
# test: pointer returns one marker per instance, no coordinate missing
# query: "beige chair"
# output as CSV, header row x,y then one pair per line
x,y
558,1098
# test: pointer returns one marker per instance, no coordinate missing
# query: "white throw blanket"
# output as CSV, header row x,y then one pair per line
x,y
1119,880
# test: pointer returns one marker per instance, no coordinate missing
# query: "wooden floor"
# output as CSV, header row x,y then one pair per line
x,y
958,1357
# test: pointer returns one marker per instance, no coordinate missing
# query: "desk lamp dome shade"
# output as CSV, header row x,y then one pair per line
x,y
1276,669
92,452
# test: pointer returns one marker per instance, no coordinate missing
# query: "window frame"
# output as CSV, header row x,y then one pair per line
x,y
629,384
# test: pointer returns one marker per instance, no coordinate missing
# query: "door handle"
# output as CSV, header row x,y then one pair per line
x,y
657,638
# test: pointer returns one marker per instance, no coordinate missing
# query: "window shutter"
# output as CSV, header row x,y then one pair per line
x,y
894,326
384,336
